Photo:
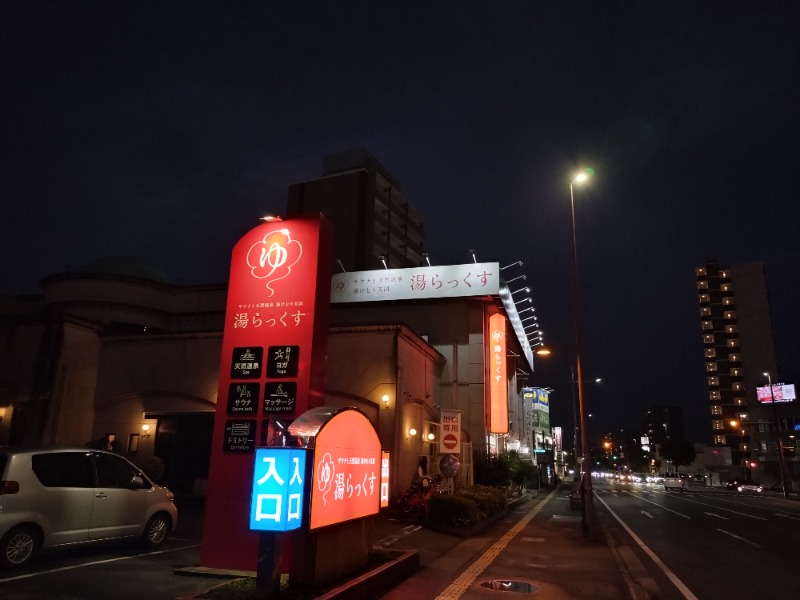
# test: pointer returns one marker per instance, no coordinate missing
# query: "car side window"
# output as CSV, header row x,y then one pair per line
x,y
113,471
63,469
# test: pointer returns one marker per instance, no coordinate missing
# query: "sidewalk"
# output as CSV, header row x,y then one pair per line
x,y
537,547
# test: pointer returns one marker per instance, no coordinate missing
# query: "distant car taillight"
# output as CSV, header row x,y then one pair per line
x,y
9,487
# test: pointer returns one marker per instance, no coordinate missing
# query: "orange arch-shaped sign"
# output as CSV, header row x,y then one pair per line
x,y
347,470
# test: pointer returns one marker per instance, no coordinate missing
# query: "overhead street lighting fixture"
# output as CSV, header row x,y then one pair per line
x,y
525,289
523,277
588,517
519,262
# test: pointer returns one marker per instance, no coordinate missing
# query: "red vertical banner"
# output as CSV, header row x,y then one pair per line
x,y
498,380
272,368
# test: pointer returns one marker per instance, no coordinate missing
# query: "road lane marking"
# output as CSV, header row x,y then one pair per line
x,y
647,514
661,506
725,509
687,593
715,515
786,516
457,589
738,537
94,563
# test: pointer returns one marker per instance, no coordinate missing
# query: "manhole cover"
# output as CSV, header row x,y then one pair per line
x,y
504,585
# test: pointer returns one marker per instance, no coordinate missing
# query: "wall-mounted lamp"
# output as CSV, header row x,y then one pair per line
x,y
412,432
145,430
431,436
385,399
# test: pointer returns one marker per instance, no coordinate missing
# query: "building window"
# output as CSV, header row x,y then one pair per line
x,y
727,301
711,367
730,314
707,325
732,343
700,271
726,287
702,285
711,353
734,358
739,402
705,311
719,439
731,329
717,425
713,380
736,372
738,387
714,395
724,274
716,410
708,338
705,298
762,446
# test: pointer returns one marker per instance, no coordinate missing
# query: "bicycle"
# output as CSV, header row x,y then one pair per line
x,y
417,496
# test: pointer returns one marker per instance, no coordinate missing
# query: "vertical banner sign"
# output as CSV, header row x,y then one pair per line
x,y
498,385
272,369
450,438
385,479
277,500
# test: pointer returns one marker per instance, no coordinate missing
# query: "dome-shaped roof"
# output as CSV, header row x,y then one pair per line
x,y
126,266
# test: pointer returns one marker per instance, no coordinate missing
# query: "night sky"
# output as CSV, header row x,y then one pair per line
x,y
163,130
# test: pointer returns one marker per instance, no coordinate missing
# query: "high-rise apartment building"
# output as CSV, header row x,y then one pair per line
x,y
662,424
375,227
739,348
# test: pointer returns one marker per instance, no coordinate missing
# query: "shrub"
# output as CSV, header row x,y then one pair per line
x,y
493,470
488,500
152,466
451,511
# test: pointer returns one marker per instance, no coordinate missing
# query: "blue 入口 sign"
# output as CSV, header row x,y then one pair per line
x,y
278,499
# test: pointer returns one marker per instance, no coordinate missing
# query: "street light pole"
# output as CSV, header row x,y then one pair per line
x,y
778,437
587,513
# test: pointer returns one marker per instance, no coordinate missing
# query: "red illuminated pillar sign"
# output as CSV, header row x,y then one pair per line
x,y
272,368
498,386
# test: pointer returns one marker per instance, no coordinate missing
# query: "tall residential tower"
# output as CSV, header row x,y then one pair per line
x,y
739,348
375,227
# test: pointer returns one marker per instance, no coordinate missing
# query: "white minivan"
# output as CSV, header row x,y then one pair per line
x,y
676,481
58,497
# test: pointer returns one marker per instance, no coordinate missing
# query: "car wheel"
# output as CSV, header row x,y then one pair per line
x,y
157,529
19,546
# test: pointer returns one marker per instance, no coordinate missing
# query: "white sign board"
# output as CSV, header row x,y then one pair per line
x,y
450,432
418,283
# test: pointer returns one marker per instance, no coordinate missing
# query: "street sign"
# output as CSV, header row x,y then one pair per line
x,y
278,498
449,441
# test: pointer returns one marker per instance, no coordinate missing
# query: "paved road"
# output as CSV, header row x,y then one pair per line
x,y
709,543
121,572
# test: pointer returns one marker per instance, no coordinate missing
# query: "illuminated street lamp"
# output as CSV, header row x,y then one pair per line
x,y
778,437
587,514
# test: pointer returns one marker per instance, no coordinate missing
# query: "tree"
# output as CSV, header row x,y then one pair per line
x,y
678,452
